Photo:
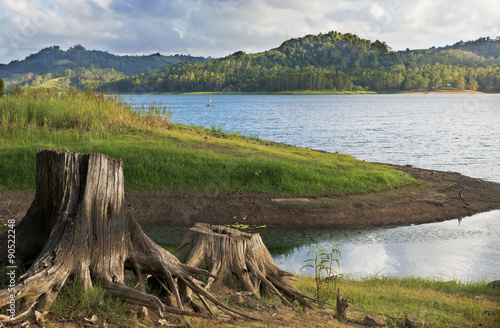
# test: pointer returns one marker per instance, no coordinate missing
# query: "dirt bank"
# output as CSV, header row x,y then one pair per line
x,y
447,195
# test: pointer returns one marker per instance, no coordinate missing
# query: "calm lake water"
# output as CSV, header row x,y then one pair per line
x,y
459,133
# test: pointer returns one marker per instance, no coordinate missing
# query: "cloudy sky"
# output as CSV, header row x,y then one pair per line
x,y
217,28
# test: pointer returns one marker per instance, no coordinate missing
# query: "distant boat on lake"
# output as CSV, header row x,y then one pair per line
x,y
210,103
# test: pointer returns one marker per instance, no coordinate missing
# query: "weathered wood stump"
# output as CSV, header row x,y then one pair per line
x,y
78,227
232,255
342,305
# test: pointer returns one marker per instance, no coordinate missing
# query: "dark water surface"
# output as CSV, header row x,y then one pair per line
x,y
458,133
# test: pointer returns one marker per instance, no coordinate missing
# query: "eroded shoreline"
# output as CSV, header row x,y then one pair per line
x,y
446,195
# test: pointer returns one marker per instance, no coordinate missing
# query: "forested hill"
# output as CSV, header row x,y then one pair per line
x,y
331,61
81,67
483,47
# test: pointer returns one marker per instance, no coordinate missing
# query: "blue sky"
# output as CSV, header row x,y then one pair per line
x,y
217,28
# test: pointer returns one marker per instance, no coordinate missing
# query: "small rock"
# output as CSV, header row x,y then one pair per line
x,y
245,293
38,316
373,321
163,322
92,320
413,322
494,284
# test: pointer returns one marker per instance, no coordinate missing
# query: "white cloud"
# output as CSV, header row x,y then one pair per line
x,y
220,27
181,35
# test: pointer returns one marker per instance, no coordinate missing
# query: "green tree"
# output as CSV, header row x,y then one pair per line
x,y
473,85
461,83
36,81
2,87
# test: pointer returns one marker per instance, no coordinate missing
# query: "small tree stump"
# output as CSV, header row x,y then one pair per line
x,y
232,255
342,304
78,227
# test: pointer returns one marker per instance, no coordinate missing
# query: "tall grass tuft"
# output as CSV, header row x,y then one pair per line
x,y
85,111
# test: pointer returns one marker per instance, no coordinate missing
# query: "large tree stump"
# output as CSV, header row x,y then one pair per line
x,y
234,255
78,227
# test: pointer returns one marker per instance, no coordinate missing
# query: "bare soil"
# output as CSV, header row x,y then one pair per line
x,y
443,196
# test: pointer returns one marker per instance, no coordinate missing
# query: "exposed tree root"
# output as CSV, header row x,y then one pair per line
x,y
231,253
78,227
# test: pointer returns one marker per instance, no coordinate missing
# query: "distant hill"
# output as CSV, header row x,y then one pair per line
x,y
81,67
331,61
480,51
484,47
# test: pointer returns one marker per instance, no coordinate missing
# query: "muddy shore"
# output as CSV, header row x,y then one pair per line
x,y
446,195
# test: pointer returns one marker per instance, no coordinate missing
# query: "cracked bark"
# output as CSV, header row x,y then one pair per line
x,y
234,255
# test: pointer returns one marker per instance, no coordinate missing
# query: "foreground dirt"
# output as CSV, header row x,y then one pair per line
x,y
271,313
443,196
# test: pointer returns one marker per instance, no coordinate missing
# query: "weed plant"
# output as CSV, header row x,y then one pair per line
x,y
326,267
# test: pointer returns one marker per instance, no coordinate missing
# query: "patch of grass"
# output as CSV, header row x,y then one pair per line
x,y
437,303
75,304
161,155
37,109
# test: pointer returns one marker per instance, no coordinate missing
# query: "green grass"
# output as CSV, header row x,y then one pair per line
x,y
74,304
437,303
161,155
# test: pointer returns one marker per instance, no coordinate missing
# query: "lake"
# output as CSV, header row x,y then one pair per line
x,y
459,133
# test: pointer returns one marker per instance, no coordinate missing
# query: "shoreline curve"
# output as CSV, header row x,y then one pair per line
x,y
446,196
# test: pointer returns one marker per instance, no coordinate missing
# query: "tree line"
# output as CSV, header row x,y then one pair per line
x,y
332,61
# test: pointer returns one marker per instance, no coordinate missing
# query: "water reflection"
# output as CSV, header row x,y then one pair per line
x,y
443,250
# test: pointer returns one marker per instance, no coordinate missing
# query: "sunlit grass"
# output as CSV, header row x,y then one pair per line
x,y
438,303
33,110
75,304
161,155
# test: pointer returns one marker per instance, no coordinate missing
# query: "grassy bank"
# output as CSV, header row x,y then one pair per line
x,y
437,303
161,155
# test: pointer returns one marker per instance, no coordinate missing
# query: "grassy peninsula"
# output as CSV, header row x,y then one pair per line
x,y
160,155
